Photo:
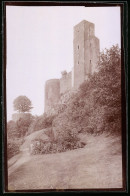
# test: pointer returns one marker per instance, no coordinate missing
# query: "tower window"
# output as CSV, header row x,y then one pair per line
x,y
78,62
90,61
78,46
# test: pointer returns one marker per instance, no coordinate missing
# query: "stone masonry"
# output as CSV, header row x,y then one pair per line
x,y
86,54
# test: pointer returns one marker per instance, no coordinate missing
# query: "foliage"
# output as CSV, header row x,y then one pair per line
x,y
22,104
46,147
12,129
106,92
94,109
49,132
19,128
40,122
97,106
23,124
13,147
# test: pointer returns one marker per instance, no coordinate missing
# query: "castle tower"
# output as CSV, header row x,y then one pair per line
x,y
86,51
52,93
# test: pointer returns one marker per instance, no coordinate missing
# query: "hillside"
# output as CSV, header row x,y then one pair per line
x,y
80,145
97,165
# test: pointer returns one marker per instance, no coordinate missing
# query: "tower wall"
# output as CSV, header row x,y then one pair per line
x,y
91,49
78,49
52,93
86,51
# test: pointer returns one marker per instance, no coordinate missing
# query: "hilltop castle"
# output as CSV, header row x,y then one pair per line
x,y
86,53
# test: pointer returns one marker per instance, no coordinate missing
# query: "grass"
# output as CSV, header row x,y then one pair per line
x,y
97,165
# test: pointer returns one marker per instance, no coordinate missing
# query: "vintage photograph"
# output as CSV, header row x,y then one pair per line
x,y
63,98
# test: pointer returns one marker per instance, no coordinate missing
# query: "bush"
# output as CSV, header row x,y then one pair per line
x,y
39,146
13,147
49,132
23,124
40,122
12,131
94,109
19,128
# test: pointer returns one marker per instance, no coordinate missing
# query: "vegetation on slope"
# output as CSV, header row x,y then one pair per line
x,y
98,165
95,108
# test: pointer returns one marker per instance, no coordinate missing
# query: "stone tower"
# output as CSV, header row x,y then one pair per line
x,y
52,93
86,54
86,51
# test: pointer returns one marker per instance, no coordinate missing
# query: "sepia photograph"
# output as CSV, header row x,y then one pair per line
x,y
64,98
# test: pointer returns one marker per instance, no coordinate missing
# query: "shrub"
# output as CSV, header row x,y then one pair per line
x,y
49,132
12,131
13,147
95,108
39,146
23,124
19,128
41,122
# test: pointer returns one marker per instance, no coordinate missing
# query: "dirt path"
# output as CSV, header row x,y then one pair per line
x,y
18,160
98,165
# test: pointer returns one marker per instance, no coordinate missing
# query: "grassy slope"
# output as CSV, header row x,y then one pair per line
x,y
98,165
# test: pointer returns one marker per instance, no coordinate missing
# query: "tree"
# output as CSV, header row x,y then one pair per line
x,y
23,124
12,129
41,122
22,104
96,107
104,90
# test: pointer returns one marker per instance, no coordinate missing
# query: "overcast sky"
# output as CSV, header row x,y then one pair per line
x,y
40,46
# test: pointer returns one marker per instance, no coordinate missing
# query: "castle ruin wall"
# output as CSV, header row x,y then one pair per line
x,y
86,48
65,82
86,51
17,116
52,93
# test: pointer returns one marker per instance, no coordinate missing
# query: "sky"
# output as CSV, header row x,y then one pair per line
x,y
40,46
